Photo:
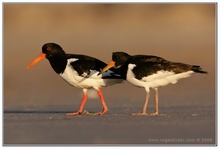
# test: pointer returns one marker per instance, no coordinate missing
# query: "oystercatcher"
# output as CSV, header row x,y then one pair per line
x,y
150,72
80,71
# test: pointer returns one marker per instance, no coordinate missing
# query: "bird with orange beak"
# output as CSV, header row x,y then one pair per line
x,y
148,71
80,71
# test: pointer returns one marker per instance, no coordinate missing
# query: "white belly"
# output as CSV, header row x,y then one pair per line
x,y
71,76
93,80
161,78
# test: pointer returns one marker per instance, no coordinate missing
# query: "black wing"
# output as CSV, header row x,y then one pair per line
x,y
137,59
85,64
147,68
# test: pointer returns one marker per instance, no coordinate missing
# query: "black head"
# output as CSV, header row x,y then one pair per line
x,y
56,56
120,58
52,50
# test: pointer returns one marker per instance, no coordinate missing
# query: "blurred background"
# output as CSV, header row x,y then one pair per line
x,y
177,32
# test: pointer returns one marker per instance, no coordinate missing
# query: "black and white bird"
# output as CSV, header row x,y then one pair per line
x,y
80,71
150,72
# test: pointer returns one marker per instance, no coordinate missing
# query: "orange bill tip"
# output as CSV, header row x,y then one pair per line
x,y
40,57
110,65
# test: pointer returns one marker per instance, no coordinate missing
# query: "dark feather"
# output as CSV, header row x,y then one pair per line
x,y
149,68
91,64
85,64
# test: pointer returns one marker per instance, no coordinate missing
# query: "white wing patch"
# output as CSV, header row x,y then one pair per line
x,y
161,78
93,80
71,60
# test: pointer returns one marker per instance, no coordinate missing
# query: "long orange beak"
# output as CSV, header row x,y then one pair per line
x,y
110,65
40,57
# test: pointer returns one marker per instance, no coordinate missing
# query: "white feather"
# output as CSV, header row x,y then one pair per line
x,y
71,60
161,78
93,80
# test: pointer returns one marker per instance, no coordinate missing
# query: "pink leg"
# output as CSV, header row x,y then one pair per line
x,y
156,97
105,108
144,110
81,106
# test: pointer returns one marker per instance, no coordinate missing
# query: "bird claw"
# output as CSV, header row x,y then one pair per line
x,y
73,113
145,114
139,114
101,112
84,112
154,114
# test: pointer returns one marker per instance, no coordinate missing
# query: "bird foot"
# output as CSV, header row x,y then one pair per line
x,y
74,113
101,112
154,114
144,114
139,114
84,112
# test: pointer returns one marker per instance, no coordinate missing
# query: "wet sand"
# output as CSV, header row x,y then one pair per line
x,y
174,125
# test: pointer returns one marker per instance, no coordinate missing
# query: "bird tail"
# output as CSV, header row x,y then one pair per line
x,y
198,69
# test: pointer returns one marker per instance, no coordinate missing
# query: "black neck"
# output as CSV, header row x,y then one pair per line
x,y
58,63
123,70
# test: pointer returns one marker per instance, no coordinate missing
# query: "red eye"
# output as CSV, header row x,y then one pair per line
x,y
48,48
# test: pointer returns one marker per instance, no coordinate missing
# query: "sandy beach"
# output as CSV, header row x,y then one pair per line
x,y
174,125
